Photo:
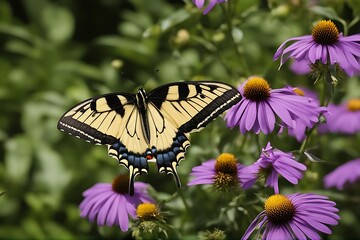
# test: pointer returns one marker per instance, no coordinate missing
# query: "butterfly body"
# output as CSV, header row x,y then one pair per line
x,y
140,128
141,103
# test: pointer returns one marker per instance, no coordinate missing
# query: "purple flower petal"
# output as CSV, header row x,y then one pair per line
x,y
112,208
346,173
104,210
123,218
199,3
306,223
112,214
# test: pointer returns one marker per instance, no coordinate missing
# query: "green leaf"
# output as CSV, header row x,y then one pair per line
x,y
326,12
58,23
32,228
312,157
55,230
51,174
354,4
39,120
164,25
81,68
16,31
18,158
237,34
138,51
23,48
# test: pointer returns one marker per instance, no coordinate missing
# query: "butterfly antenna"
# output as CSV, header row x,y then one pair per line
x,y
152,75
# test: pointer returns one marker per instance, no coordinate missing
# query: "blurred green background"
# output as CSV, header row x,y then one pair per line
x,y
54,54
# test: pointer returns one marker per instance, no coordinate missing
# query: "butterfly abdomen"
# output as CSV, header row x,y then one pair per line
x,y
141,103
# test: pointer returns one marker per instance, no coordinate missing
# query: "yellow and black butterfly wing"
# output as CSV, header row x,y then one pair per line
x,y
178,109
98,120
114,120
170,144
190,106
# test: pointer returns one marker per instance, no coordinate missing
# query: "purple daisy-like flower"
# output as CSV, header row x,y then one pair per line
x,y
343,118
111,204
223,172
347,173
325,44
260,104
298,129
200,4
294,216
273,163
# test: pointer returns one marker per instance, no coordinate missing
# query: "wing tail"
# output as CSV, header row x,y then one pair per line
x,y
168,160
136,163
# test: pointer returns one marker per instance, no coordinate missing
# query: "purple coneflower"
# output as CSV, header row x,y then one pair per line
x,y
223,173
260,104
212,3
343,118
272,163
346,173
111,204
294,216
325,44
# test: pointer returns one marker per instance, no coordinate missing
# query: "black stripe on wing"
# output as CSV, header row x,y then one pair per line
x,y
83,131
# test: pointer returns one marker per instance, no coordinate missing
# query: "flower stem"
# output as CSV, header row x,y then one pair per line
x,y
322,103
180,193
257,139
243,142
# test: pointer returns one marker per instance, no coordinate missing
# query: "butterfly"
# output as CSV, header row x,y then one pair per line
x,y
154,127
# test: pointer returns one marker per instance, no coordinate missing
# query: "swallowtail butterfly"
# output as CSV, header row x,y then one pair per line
x,y
140,128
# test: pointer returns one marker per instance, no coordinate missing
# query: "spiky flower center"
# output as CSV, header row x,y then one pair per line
x,y
120,184
217,234
299,92
226,163
257,89
353,105
225,182
226,172
147,211
325,32
279,209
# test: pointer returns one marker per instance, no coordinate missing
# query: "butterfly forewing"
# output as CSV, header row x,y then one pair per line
x,y
190,106
98,120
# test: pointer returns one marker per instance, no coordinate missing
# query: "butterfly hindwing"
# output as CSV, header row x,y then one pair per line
x,y
170,143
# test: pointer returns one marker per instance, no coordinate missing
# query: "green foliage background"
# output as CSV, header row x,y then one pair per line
x,y
54,54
